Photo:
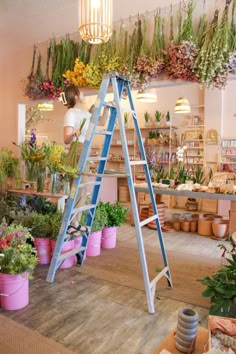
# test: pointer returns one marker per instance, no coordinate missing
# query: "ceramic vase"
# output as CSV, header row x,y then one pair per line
x,y
186,332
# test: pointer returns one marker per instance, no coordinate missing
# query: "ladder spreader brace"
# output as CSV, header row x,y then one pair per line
x,y
119,85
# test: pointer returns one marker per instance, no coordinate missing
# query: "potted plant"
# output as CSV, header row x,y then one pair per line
x,y
168,118
40,228
116,215
158,118
146,118
221,287
99,221
18,259
8,166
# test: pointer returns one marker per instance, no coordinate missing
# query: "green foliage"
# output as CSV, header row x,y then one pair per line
x,y
55,224
221,288
100,218
39,224
158,116
198,176
161,174
146,117
168,116
8,165
116,214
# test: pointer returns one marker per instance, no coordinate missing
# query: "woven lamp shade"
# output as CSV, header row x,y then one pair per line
x,y
182,105
95,20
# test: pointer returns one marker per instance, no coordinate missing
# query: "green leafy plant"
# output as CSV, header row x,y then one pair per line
x,y
55,224
8,165
168,116
100,218
39,224
198,176
221,288
146,117
158,116
17,255
116,214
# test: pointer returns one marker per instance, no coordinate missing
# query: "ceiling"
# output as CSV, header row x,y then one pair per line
x,y
28,22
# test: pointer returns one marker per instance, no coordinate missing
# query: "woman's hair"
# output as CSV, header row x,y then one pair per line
x,y
70,93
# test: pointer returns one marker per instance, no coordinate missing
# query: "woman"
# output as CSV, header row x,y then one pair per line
x,y
76,123
76,120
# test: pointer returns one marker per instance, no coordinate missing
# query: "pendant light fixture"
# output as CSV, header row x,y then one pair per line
x,y
182,105
95,20
45,106
147,96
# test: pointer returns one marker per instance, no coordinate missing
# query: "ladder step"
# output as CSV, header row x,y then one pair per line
x,y
91,183
138,162
110,104
97,158
83,208
148,220
103,132
68,254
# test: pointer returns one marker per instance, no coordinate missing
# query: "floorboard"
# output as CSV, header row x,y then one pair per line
x,y
93,316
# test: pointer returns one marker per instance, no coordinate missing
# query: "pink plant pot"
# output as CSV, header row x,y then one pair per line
x,y
94,244
109,237
68,246
44,250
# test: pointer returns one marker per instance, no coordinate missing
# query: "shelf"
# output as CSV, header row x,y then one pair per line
x,y
229,155
193,156
197,106
120,145
229,162
195,148
164,127
194,140
196,126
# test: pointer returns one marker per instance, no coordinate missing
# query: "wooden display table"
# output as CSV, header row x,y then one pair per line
x,y
61,198
200,346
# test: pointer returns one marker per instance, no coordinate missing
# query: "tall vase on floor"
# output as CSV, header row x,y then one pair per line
x,y
186,332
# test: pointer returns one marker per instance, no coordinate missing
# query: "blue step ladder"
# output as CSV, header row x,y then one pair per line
x,y
119,86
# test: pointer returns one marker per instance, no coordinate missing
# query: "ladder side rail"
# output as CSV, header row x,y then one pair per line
x,y
88,143
148,179
133,200
54,264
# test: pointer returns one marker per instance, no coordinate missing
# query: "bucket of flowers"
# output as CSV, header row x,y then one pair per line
x,y
18,259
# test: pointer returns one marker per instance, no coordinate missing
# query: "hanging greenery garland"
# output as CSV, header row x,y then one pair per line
x,y
204,54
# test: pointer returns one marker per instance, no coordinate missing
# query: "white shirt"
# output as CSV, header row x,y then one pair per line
x,y
74,118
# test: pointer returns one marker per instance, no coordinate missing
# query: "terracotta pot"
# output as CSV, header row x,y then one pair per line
x,y
219,229
185,225
176,225
204,227
193,226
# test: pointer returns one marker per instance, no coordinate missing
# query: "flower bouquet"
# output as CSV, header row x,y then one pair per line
x,y
18,258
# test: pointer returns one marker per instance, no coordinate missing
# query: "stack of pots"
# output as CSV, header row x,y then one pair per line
x,y
161,214
186,222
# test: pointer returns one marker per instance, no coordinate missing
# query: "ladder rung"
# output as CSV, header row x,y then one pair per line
x,y
110,104
159,276
70,253
148,220
103,132
92,183
138,162
114,174
83,208
97,158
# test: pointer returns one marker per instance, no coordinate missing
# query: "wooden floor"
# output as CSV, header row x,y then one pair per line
x,y
92,316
